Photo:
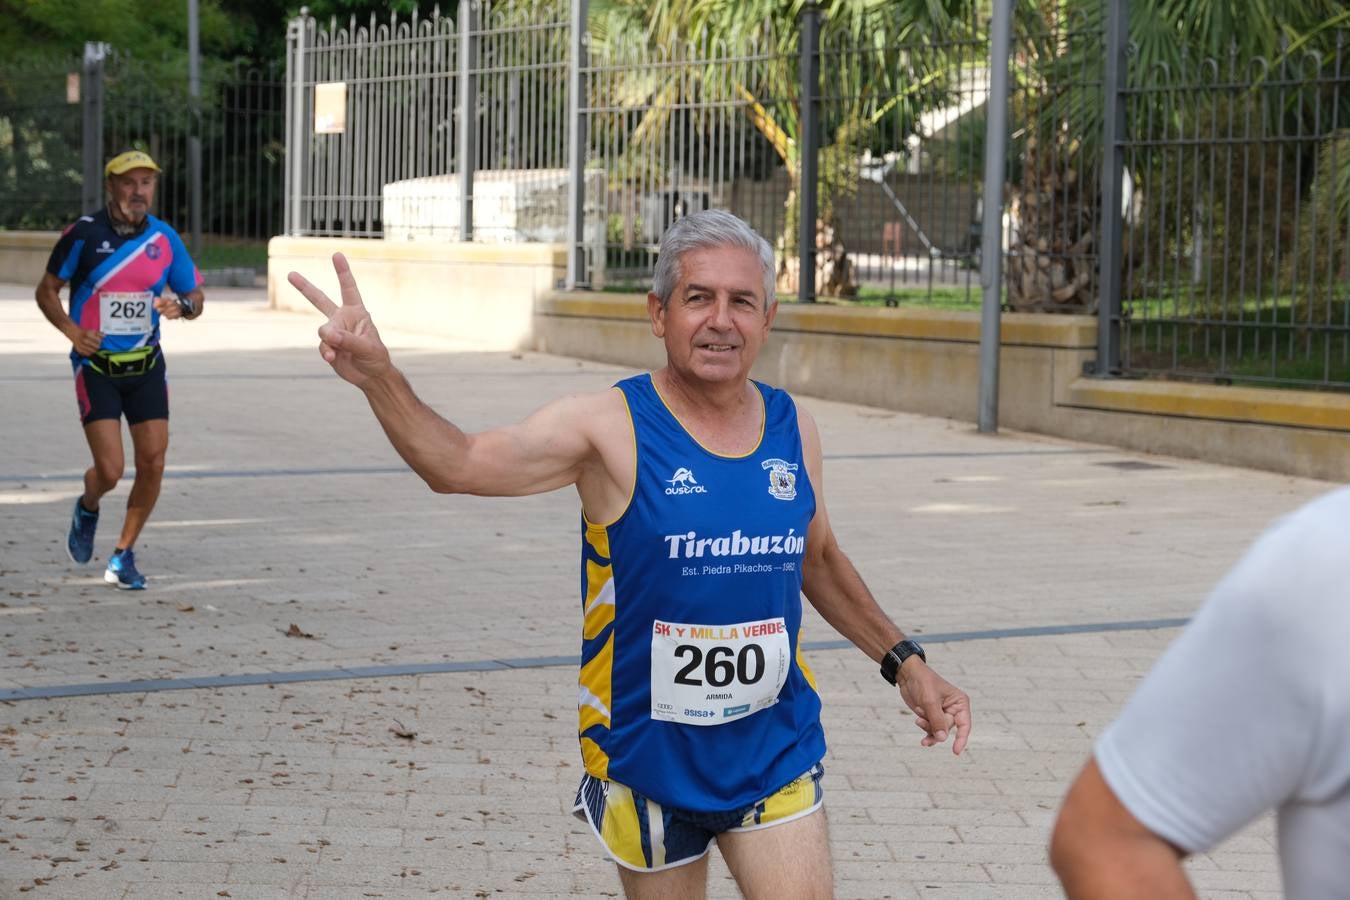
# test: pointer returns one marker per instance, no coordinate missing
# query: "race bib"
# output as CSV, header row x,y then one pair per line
x,y
125,313
713,674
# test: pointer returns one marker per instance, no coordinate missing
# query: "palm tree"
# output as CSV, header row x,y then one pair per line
x,y
1204,45
744,53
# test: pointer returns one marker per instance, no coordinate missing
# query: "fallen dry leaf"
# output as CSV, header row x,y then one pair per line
x,y
294,631
186,607
402,731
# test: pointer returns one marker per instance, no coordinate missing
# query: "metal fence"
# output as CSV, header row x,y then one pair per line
x,y
368,106
421,120
1228,259
900,163
676,130
40,139
398,127
1237,248
1052,221
59,119
240,127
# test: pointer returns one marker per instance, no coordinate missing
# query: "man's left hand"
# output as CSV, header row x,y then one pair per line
x,y
939,706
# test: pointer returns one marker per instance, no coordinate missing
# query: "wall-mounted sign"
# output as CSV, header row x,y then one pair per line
x,y
72,87
330,107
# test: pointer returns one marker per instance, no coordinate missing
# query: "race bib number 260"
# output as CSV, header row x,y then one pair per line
x,y
713,674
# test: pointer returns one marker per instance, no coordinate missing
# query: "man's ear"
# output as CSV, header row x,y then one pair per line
x,y
656,311
769,315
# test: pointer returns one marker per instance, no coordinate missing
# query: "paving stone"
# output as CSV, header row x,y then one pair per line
x,y
284,505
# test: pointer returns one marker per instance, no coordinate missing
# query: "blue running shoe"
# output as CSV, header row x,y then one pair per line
x,y
80,541
122,572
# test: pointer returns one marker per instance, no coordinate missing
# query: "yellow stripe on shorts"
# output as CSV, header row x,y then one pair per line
x,y
620,831
792,799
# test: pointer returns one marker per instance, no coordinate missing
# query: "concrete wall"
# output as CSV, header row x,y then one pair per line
x,y
927,361
485,293
23,255
924,361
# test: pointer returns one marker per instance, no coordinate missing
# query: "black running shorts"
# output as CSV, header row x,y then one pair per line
x,y
138,397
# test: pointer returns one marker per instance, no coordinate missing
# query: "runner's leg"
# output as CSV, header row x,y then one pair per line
x,y
150,440
105,444
790,861
686,882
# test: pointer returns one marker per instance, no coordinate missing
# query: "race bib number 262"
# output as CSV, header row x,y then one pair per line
x,y
125,312
713,674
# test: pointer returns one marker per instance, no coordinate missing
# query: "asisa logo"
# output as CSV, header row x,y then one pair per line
x,y
683,482
782,483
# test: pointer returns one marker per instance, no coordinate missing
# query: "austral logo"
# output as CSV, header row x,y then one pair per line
x,y
683,482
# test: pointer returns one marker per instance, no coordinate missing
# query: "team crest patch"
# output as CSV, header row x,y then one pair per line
x,y
152,251
782,483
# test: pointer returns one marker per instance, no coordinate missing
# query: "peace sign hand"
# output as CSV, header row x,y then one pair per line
x,y
348,341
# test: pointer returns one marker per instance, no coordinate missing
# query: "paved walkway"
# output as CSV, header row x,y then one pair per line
x,y
417,737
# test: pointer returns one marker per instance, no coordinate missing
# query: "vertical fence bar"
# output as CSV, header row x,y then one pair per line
x,y
91,103
810,144
991,244
195,123
576,147
1113,169
295,123
468,103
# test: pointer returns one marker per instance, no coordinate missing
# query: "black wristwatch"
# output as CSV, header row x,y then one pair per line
x,y
896,656
187,307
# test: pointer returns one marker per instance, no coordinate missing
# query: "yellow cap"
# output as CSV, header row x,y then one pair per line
x,y
125,162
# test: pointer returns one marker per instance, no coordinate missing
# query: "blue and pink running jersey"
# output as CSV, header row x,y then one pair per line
x,y
114,280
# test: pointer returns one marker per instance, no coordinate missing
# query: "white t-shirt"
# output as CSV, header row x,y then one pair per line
x,y
1249,710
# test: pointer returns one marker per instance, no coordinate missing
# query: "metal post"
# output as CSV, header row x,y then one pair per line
x,y
1113,171
991,246
810,143
297,132
468,111
576,148
91,126
195,118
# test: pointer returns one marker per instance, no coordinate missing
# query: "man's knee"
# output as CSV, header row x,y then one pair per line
x,y
150,465
107,472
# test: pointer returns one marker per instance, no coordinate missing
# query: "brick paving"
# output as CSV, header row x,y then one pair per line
x,y
283,505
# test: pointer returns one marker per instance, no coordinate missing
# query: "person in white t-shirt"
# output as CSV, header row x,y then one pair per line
x,y
1248,711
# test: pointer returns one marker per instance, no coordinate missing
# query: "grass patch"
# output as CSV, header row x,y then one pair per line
x,y
231,253
956,298
1270,345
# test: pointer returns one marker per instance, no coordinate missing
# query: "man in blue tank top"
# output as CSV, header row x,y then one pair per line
x,y
703,523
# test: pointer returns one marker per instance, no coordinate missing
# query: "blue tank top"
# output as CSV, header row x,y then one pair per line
x,y
693,691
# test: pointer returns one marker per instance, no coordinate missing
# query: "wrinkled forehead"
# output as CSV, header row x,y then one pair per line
x,y
726,269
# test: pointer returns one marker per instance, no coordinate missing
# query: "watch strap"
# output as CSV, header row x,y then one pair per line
x,y
896,656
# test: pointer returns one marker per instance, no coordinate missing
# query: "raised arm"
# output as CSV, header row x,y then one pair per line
x,y
547,450
838,593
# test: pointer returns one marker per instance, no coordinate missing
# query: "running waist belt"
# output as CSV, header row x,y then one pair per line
x,y
125,363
